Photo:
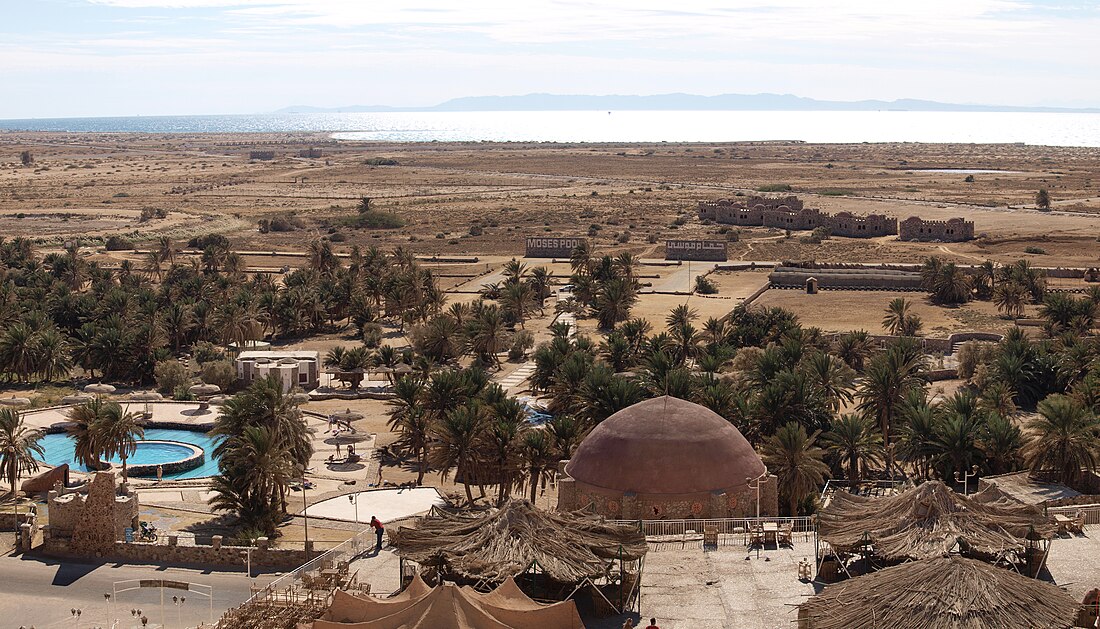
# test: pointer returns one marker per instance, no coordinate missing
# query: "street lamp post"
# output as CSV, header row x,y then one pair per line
x,y
178,602
107,598
965,478
754,483
76,616
305,511
354,499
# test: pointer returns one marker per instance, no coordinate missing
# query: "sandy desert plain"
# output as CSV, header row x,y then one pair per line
x,y
467,200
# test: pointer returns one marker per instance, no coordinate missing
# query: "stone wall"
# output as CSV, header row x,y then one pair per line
x,y
735,503
165,554
951,230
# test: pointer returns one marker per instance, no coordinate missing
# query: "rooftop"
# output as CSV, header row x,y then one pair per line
x,y
1020,486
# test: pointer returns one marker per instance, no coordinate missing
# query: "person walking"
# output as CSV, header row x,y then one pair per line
x,y
652,624
378,530
160,472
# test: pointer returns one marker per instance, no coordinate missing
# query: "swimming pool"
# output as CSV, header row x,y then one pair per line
x,y
59,449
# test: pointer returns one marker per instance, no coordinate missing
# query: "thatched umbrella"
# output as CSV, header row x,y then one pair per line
x,y
491,546
218,400
99,388
929,521
300,397
203,389
77,398
15,401
943,593
403,369
146,397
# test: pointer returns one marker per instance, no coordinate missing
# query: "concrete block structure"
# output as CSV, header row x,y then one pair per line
x,y
667,458
294,368
951,230
790,213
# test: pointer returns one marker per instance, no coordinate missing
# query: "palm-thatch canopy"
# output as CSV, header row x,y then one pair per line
x,y
99,388
929,520
490,547
943,593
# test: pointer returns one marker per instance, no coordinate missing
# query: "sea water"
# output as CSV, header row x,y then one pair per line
x,y
1051,129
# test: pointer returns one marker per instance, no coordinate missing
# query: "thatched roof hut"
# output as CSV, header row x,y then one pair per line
x,y
492,546
942,593
928,521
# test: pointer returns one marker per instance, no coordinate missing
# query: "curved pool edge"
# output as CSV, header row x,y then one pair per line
x,y
196,459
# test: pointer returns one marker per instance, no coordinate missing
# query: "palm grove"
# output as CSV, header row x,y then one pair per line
x,y
815,405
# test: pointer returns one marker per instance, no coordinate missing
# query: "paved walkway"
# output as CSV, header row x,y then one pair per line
x,y
516,378
387,504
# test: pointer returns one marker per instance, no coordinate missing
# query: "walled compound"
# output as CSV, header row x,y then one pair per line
x,y
791,213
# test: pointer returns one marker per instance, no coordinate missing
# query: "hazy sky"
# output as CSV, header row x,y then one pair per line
x,y
128,57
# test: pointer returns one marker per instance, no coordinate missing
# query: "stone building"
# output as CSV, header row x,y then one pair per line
x,y
667,458
951,230
301,368
96,520
790,213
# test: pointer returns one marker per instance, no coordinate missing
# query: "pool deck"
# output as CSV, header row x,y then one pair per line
x,y
387,504
167,412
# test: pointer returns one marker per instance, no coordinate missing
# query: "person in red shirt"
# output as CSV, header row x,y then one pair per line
x,y
652,624
378,530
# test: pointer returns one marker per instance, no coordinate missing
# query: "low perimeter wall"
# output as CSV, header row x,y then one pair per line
x,y
234,557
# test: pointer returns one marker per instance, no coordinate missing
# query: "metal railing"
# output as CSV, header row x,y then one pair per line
x,y
731,531
347,551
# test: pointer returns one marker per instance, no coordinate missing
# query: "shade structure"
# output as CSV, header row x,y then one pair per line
x,y
347,415
218,400
931,520
99,388
77,398
146,396
492,546
14,401
448,606
204,389
942,593
299,397
403,369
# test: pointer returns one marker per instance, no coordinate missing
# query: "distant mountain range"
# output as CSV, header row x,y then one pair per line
x,y
677,102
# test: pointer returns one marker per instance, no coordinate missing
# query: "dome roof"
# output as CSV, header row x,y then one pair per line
x,y
665,445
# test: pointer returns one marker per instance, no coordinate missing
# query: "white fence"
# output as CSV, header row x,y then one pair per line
x,y
363,541
731,531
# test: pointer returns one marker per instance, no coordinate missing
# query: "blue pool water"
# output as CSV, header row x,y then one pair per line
x,y
59,449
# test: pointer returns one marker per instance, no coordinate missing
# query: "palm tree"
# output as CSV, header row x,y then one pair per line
x,y
456,439
1064,439
117,433
503,438
896,314
791,455
83,428
1010,298
1001,442
613,301
19,446
832,377
853,348
951,285
853,438
887,380
517,299
538,456
485,335
18,353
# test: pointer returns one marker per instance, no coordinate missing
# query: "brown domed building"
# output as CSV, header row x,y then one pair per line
x,y
666,458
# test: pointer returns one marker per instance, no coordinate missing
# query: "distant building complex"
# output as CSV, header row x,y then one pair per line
x,y
292,367
791,213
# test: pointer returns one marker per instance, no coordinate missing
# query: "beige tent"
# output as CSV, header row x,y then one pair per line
x,y
448,606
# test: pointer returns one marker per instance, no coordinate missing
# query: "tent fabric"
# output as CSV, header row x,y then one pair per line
x,y
448,606
929,520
